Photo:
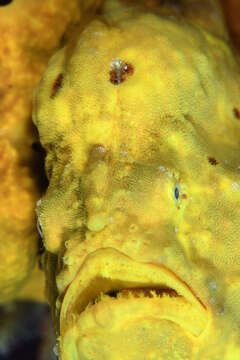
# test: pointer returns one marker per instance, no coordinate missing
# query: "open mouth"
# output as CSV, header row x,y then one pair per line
x,y
109,279
133,293
141,292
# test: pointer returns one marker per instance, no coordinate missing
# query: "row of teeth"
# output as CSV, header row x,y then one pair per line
x,y
133,293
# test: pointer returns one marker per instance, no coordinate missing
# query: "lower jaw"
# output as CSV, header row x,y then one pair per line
x,y
115,310
137,324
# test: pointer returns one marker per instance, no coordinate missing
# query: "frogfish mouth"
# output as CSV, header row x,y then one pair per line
x,y
114,294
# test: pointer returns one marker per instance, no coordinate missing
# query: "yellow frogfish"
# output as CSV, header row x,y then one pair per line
x,y
139,115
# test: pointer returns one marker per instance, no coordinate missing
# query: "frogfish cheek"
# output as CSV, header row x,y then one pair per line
x,y
146,338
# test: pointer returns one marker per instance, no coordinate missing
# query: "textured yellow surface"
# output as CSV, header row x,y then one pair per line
x,y
140,118
30,33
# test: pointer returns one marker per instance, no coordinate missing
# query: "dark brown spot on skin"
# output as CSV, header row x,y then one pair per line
x,y
184,196
57,85
212,161
120,72
236,113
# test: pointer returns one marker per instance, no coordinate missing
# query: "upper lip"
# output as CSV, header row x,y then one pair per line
x,y
108,269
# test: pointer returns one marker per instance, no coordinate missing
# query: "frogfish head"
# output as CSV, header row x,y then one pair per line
x,y
140,221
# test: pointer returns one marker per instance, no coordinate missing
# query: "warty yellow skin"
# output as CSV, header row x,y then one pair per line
x,y
139,116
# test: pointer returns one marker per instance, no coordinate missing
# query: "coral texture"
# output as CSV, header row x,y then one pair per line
x,y
140,119
30,33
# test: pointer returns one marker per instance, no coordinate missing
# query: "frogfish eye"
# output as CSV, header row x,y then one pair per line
x,y
176,192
